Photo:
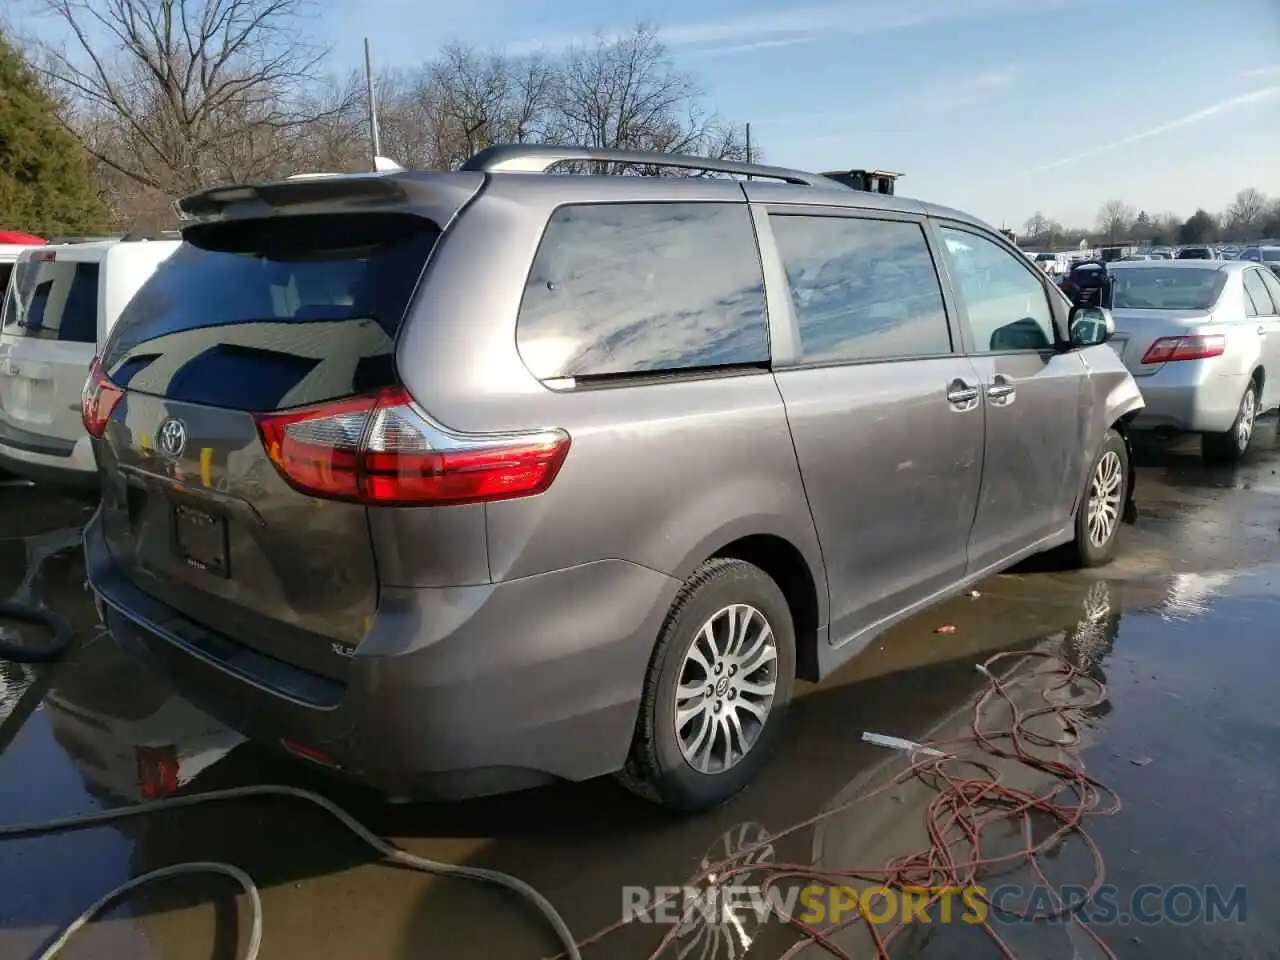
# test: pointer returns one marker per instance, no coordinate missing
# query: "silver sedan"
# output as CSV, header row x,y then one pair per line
x,y
1202,339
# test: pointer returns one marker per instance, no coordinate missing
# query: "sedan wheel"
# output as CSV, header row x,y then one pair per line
x,y
1231,446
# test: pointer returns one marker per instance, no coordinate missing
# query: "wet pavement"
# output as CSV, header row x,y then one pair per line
x,y
1180,628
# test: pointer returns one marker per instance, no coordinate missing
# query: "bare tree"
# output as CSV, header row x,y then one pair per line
x,y
1244,217
1115,218
184,93
626,93
1037,225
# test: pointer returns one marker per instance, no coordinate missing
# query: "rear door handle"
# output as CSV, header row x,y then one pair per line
x,y
1262,331
961,395
1001,391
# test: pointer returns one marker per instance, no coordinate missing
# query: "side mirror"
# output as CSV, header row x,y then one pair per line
x,y
1090,325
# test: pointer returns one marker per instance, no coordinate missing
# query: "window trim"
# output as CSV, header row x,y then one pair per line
x,y
1059,307
1258,313
776,277
1272,283
607,381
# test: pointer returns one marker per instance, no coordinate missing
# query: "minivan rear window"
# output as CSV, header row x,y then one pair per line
x,y
53,300
275,313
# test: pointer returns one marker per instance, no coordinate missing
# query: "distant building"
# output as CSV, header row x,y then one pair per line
x,y
873,181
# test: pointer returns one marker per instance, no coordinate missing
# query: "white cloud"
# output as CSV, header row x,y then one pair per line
x,y
1263,71
812,23
1225,106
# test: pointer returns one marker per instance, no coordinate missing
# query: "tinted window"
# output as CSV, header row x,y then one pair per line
x,y
862,289
276,313
1258,294
1195,253
630,288
54,300
1167,288
5,270
1271,254
1008,308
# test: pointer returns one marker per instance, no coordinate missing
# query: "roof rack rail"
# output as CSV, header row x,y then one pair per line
x,y
538,158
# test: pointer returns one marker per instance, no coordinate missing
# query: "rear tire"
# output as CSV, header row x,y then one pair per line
x,y
1102,510
1231,447
734,692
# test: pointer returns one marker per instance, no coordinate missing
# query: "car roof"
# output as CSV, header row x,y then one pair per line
x,y
1227,266
91,250
518,167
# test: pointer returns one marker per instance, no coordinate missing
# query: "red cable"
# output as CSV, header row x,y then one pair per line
x,y
964,808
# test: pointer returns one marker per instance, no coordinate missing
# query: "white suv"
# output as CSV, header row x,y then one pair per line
x,y
60,303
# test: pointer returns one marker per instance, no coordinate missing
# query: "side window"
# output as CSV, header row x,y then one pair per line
x,y
1270,281
1258,302
1007,305
635,287
862,289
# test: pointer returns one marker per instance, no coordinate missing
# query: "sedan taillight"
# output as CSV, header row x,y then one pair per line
x,y
1168,349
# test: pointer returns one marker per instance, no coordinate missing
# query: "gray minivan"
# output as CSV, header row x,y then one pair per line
x,y
461,482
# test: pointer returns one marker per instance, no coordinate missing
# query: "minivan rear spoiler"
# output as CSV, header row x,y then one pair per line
x,y
435,195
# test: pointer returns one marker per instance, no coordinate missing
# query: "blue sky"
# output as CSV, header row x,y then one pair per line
x,y
1000,107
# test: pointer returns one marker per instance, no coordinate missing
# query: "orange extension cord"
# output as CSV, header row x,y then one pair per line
x,y
965,807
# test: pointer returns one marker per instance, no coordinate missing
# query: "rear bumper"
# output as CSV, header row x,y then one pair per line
x,y
455,692
72,467
1192,396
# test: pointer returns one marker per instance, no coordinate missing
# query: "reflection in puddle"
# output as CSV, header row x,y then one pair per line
x,y
1189,594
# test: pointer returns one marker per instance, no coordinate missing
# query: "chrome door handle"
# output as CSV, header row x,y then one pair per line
x,y
1001,391
961,395
1262,331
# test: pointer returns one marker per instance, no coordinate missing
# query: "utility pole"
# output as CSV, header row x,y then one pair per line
x,y
748,147
376,142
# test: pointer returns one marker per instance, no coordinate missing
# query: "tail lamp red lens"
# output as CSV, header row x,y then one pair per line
x,y
1168,349
381,449
98,400
157,771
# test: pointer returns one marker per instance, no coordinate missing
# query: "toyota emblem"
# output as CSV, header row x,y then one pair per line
x,y
171,439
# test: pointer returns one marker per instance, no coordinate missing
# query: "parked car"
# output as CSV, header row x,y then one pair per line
x,y
12,244
1203,339
1051,263
1196,253
577,502
62,301
1269,257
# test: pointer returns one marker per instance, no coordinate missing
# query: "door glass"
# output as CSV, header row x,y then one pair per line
x,y
862,289
1007,306
1272,284
1259,299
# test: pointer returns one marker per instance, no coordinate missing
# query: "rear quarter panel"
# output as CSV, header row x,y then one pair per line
x,y
661,474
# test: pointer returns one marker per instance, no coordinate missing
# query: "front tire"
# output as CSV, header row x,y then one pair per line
x,y
1231,447
717,689
1100,514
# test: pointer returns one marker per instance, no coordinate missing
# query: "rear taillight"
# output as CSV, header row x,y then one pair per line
x,y
1168,349
157,771
97,400
381,449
